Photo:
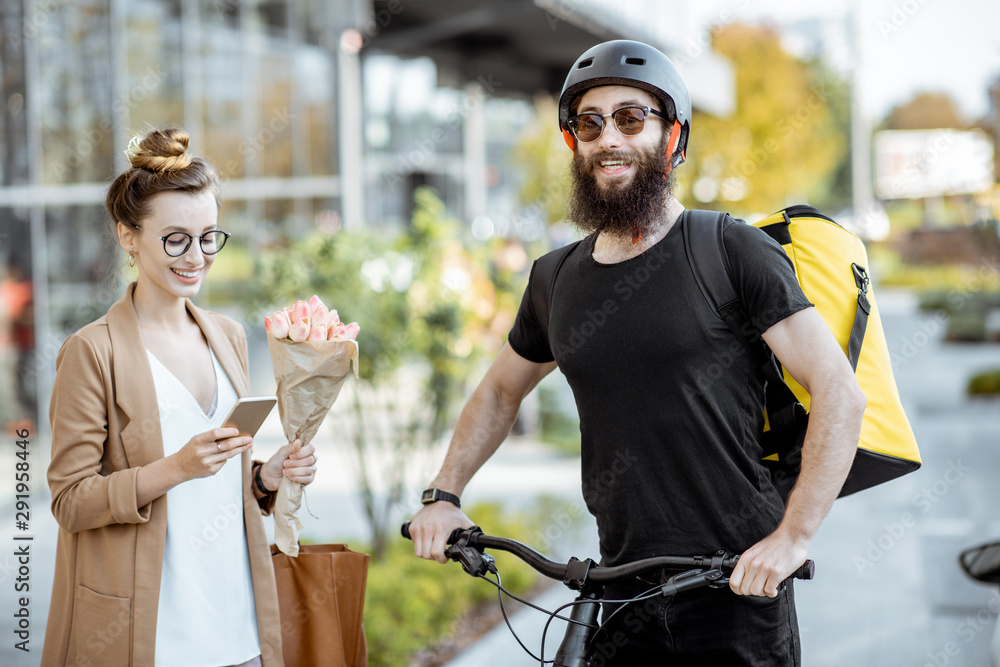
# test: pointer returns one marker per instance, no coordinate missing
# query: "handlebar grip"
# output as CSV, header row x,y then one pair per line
x,y
454,537
806,571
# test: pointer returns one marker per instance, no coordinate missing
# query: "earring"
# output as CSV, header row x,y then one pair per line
x,y
131,260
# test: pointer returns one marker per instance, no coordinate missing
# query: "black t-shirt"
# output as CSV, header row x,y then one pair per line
x,y
670,401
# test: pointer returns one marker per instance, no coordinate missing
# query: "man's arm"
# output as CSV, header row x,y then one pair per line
x,y
809,352
485,421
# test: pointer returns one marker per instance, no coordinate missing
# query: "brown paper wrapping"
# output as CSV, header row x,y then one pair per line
x,y
309,375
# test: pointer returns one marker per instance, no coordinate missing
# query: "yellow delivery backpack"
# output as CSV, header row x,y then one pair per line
x,y
832,267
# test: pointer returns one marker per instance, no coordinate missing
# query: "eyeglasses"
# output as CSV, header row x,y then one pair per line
x,y
588,127
176,244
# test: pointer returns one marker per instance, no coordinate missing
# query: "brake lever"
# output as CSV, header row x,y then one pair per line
x,y
693,579
473,561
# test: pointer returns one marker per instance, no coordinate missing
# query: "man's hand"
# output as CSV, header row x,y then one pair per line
x,y
431,527
763,567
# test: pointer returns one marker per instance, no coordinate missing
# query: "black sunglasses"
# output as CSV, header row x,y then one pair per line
x,y
630,120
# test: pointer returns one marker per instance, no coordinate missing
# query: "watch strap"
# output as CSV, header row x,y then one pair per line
x,y
433,495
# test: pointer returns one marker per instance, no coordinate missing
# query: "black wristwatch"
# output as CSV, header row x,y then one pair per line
x,y
433,495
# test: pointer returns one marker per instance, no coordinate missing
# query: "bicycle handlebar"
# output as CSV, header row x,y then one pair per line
x,y
475,538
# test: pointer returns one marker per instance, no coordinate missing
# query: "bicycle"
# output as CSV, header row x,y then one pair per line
x,y
589,579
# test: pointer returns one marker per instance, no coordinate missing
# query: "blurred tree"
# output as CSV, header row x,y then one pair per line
x,y
925,111
425,304
543,158
787,140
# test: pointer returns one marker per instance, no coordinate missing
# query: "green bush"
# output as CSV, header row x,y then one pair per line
x,y
987,382
413,603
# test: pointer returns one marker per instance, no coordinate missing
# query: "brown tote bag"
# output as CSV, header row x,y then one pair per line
x,y
321,595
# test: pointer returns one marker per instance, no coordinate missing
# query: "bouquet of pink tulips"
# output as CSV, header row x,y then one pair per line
x,y
313,353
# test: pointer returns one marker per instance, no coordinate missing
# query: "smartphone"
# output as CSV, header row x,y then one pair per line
x,y
249,413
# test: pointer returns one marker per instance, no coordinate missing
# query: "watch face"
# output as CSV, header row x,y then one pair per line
x,y
427,496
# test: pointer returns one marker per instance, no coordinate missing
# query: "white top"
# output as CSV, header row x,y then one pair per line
x,y
206,615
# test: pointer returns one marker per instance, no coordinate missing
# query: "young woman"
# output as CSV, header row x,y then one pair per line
x,y
162,557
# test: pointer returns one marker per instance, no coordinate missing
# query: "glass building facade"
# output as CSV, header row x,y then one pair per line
x,y
254,83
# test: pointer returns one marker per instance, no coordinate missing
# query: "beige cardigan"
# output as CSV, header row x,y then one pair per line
x,y
105,426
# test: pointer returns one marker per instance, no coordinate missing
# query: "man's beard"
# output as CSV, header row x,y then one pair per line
x,y
623,211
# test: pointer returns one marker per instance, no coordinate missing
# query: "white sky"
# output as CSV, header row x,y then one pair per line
x,y
906,45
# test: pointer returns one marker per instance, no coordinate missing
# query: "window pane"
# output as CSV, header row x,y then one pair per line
x,y
75,91
223,94
153,95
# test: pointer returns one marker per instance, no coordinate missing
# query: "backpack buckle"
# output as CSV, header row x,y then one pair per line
x,y
861,278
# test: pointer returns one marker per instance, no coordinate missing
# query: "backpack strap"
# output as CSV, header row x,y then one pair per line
x,y
860,317
703,242
779,232
543,281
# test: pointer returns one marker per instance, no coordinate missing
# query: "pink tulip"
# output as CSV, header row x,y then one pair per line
x,y
299,331
334,318
352,330
337,332
300,311
277,325
314,303
320,314
317,332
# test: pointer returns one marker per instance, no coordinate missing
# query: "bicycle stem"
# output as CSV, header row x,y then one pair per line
x,y
573,649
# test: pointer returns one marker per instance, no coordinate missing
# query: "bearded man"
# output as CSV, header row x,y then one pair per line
x,y
667,470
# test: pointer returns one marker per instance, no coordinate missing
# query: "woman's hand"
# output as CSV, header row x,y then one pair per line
x,y
293,461
207,452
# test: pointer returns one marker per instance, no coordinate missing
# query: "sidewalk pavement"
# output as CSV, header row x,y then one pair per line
x,y
887,592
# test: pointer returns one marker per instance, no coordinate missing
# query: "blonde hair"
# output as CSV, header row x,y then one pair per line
x,y
160,163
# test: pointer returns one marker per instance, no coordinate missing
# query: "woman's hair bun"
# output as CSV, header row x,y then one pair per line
x,y
160,150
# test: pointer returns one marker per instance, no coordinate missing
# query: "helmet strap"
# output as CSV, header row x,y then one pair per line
x,y
675,132
569,139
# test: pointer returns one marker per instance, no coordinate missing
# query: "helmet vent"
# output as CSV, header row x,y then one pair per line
x,y
635,61
585,63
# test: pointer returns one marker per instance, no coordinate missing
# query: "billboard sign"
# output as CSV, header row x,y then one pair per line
x,y
910,164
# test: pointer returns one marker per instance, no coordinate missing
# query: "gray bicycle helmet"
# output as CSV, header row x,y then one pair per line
x,y
627,63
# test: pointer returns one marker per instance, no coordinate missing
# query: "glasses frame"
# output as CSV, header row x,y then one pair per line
x,y
191,238
646,112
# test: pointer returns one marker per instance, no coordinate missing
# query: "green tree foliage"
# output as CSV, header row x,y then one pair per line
x,y
422,300
543,159
926,111
787,139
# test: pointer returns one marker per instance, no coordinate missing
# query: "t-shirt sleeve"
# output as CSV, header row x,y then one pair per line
x,y
763,275
529,337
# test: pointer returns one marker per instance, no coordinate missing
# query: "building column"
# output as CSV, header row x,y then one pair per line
x,y
350,128
474,145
